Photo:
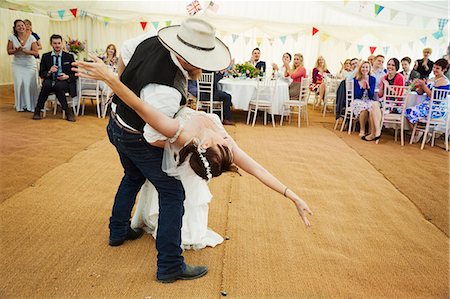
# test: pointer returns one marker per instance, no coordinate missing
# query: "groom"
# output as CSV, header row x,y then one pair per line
x,y
156,69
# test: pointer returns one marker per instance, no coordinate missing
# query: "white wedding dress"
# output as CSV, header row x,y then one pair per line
x,y
195,233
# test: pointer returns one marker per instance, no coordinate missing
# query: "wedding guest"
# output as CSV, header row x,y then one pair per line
x,y
280,72
346,69
58,77
256,62
363,92
371,59
29,27
354,64
110,57
23,46
378,70
420,111
318,75
392,77
296,73
407,72
424,65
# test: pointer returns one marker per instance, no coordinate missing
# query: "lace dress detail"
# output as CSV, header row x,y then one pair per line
x,y
195,233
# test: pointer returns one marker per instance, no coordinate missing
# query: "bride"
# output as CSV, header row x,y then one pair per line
x,y
197,150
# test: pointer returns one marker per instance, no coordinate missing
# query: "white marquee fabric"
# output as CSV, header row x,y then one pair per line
x,y
346,28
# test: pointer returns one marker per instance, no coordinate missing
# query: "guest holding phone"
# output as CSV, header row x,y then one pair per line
x,y
57,77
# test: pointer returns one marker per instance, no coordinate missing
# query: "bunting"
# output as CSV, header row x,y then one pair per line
x,y
324,37
155,25
143,25
234,37
372,49
61,13
74,11
83,13
393,14
247,40
296,36
214,7
314,30
378,9
347,45
283,39
424,40
258,41
360,47
442,23
270,39
346,2
193,7
168,23
438,34
106,20
385,50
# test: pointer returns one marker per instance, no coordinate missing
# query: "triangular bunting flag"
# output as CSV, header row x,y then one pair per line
x,y
296,36
83,13
61,13
247,40
234,37
378,9
424,40
385,50
168,23
106,20
270,39
346,2
214,7
410,45
347,45
283,39
324,37
393,14
360,47
143,25
372,49
426,21
74,11
442,23
314,30
258,41
193,7
438,34
155,25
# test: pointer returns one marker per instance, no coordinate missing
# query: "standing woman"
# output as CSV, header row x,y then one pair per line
x,y
296,73
29,27
318,74
23,46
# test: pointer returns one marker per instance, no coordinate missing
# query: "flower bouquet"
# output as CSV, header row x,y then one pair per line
x,y
245,70
75,46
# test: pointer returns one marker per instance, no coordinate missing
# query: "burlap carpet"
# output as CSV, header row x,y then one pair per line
x,y
380,228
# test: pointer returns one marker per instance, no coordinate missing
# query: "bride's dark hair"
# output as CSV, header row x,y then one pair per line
x,y
219,158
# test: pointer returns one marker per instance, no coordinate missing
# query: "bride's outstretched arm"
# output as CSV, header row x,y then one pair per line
x,y
246,163
97,70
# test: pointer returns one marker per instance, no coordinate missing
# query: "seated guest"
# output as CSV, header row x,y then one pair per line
x,y
110,57
354,64
371,59
346,69
58,77
424,65
363,92
23,46
318,75
280,73
391,78
296,73
407,72
420,111
259,64
378,70
219,95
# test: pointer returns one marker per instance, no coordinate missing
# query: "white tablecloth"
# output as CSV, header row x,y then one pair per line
x,y
244,90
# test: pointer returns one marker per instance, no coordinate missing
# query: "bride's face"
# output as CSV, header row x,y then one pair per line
x,y
211,138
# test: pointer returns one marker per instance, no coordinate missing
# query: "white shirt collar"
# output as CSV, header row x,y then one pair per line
x,y
54,53
177,63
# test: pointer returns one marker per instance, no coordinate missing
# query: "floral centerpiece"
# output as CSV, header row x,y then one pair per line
x,y
75,46
245,70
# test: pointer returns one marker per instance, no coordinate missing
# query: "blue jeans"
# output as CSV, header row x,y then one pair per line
x,y
141,161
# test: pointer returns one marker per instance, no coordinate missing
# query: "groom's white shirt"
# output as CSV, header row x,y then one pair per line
x,y
164,98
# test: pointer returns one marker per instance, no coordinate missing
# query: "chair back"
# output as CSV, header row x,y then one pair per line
x,y
206,85
88,87
304,90
394,103
349,92
439,108
265,89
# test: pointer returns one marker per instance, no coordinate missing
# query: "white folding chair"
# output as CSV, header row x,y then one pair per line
x,y
330,94
89,89
298,106
205,85
265,89
348,112
437,116
393,108
53,102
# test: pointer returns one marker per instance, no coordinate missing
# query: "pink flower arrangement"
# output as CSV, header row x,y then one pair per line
x,y
74,45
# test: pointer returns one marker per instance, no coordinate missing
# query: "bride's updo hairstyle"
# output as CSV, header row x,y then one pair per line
x,y
208,163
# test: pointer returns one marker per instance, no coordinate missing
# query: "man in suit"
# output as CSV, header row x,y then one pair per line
x,y
259,64
58,77
407,72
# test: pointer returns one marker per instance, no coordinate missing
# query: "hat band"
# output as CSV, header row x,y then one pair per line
x,y
194,46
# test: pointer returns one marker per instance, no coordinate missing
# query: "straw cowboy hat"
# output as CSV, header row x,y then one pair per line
x,y
195,41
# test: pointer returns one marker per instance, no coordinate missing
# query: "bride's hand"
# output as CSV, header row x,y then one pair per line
x,y
303,210
96,70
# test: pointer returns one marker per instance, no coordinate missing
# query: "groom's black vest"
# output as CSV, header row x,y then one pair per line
x,y
150,63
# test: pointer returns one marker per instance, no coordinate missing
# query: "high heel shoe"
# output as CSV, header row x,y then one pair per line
x,y
373,139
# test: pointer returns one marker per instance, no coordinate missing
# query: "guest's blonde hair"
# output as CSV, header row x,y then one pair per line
x,y
358,74
301,60
324,63
428,50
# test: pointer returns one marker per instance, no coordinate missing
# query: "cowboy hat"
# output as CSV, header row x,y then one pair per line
x,y
195,41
